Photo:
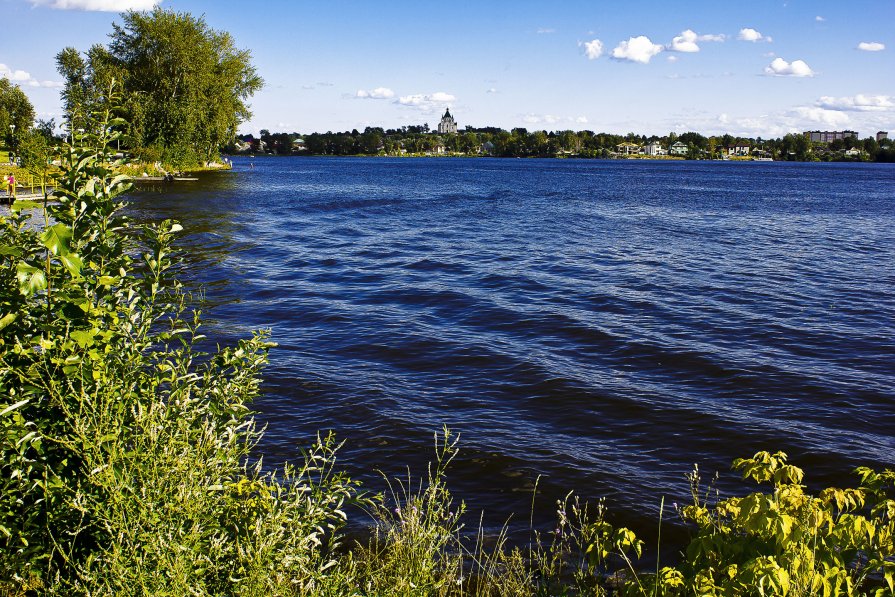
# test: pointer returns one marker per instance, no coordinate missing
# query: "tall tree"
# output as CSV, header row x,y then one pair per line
x,y
185,85
16,113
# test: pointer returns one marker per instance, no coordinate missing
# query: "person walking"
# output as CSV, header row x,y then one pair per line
x,y
11,187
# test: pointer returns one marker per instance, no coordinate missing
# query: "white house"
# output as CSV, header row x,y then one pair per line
x,y
654,148
678,148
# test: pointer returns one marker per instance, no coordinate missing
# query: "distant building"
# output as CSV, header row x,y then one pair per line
x,y
447,124
829,136
627,148
678,148
654,148
738,150
881,135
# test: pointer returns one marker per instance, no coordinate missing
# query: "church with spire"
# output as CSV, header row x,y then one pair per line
x,y
447,124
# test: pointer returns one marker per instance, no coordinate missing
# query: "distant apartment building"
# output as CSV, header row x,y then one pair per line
x,y
829,136
881,135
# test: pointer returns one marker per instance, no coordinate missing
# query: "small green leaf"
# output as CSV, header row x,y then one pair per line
x,y
57,239
72,263
31,279
7,319
84,338
14,251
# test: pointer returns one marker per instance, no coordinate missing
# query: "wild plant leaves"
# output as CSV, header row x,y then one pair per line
x,y
31,279
57,239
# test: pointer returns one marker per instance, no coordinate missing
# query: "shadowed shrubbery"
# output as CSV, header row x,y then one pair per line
x,y
126,464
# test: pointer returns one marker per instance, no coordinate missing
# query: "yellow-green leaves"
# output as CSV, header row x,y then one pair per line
x,y
765,466
31,279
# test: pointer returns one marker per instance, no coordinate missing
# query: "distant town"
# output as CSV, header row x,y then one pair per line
x,y
449,140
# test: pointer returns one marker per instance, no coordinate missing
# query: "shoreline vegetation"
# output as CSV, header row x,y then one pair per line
x,y
129,462
419,141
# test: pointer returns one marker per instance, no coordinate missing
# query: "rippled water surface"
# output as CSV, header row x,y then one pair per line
x,y
600,324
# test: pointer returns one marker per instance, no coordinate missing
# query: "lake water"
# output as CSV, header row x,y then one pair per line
x,y
602,325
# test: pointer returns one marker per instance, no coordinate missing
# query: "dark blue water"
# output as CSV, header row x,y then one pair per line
x,y
600,324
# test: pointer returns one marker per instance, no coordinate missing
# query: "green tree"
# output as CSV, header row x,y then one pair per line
x,y
16,113
36,154
184,84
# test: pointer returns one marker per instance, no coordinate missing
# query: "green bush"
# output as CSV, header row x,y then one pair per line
x,y
125,450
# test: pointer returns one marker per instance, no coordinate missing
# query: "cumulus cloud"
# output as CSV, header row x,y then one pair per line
x,y
98,5
378,93
636,49
781,68
871,46
581,120
749,34
817,114
24,78
672,58
857,103
491,90
426,102
593,49
819,19
686,41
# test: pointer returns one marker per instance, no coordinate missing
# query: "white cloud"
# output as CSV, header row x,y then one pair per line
x,y
686,41
749,34
98,5
672,58
857,103
819,19
378,93
426,102
723,118
544,30
491,90
636,49
781,68
24,78
871,46
593,49
581,120
821,115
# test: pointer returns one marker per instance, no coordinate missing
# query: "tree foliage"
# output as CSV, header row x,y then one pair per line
x,y
15,111
185,85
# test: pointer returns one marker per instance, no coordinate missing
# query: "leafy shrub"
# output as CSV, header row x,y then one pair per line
x,y
124,449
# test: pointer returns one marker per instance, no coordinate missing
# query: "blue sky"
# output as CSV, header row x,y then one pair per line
x,y
759,68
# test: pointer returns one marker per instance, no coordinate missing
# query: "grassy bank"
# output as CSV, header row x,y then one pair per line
x,y
127,469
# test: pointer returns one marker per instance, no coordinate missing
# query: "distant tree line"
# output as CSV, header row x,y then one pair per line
x,y
520,142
